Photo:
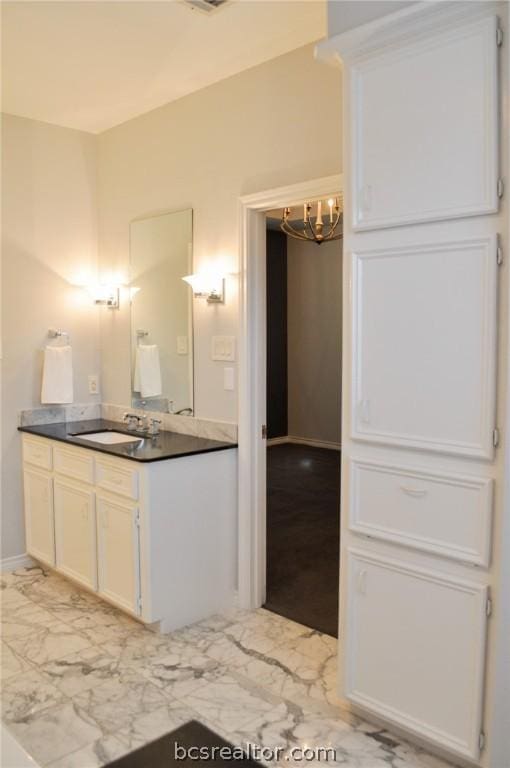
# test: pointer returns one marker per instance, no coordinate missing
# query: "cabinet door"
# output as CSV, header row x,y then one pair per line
x,y
39,522
424,346
75,532
118,552
415,649
425,129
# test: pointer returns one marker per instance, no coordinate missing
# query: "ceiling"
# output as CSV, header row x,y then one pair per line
x,y
92,65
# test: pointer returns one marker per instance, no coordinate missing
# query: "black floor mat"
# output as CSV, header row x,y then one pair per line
x,y
303,535
162,752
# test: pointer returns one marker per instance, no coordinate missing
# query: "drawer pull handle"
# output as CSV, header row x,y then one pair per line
x,y
416,492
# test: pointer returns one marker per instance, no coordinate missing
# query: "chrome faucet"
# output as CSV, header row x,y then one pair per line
x,y
154,427
133,421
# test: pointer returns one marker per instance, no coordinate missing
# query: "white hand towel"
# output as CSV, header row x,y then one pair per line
x,y
57,378
147,379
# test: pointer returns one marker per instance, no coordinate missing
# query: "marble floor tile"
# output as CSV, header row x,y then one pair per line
x,y
230,702
47,643
101,623
24,695
262,631
179,670
22,576
11,599
55,732
114,705
84,683
302,667
95,755
149,726
24,621
134,649
10,663
80,671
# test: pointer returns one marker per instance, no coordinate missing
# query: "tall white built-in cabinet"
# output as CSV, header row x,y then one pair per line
x,y
422,250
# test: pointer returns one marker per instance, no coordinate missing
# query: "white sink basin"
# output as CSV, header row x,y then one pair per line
x,y
109,438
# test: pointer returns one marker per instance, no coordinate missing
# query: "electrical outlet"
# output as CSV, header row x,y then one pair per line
x,y
94,384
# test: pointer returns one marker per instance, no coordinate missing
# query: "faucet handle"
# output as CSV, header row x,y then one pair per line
x,y
131,419
154,426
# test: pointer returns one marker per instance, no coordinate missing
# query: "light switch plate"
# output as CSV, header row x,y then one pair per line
x,y
223,348
93,384
228,379
182,345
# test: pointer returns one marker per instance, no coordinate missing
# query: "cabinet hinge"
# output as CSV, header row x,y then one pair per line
x,y
495,437
139,605
499,36
501,187
488,606
264,432
481,741
137,518
499,252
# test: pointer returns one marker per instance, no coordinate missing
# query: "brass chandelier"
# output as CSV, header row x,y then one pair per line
x,y
319,228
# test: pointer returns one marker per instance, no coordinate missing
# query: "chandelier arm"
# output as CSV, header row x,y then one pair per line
x,y
289,230
333,226
312,231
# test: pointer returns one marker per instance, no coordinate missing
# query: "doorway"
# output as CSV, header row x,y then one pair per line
x,y
304,353
252,377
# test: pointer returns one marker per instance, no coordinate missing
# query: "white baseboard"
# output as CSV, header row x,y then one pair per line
x,y
277,441
304,441
18,561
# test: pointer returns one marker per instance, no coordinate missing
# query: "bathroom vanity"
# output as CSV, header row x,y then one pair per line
x,y
149,525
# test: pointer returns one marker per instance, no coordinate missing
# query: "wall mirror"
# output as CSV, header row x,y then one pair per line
x,y
161,252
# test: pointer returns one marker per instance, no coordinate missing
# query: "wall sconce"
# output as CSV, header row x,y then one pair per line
x,y
210,287
106,296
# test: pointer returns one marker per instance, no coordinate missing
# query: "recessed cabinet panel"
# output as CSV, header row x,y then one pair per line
x,y
424,346
39,515
425,129
415,649
37,452
75,532
118,552
74,463
447,515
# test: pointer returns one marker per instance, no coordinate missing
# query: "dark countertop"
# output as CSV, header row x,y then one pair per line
x,y
167,445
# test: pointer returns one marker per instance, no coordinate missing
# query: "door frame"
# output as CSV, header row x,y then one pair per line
x,y
252,376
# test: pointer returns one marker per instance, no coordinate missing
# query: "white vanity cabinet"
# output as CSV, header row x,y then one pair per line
x,y
157,539
39,521
75,531
118,551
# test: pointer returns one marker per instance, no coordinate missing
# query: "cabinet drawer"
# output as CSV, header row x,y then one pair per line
x,y
72,462
443,514
117,478
37,452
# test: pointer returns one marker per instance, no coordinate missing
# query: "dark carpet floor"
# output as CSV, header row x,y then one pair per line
x,y
303,535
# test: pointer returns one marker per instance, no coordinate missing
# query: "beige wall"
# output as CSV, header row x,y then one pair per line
x,y
314,338
257,130
49,241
